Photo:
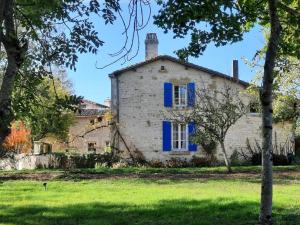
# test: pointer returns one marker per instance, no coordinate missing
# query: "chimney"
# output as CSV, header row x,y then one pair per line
x,y
235,69
107,102
151,46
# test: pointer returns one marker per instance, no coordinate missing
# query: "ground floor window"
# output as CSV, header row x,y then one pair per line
x,y
92,146
179,136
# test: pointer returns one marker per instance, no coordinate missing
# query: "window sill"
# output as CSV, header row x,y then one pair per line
x,y
182,152
253,114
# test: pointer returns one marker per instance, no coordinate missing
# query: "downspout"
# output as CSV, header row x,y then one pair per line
x,y
118,99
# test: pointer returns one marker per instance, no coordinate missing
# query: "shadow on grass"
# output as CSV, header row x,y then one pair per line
x,y
175,212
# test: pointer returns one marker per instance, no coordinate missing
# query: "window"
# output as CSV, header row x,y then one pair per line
x,y
254,107
179,136
92,146
180,95
99,119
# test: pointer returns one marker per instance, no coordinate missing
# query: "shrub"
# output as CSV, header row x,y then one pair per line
x,y
283,154
176,163
18,141
200,161
156,163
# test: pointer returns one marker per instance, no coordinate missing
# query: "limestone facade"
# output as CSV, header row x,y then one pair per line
x,y
137,94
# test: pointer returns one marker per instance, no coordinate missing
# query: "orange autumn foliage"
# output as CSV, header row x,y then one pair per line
x,y
18,140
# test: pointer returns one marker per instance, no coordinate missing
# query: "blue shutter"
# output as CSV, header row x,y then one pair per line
x,y
168,94
192,130
191,94
167,136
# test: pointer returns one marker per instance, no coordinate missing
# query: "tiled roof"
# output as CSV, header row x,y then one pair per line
x,y
184,63
90,112
94,103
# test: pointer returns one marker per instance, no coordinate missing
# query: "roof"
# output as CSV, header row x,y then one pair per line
x,y
94,103
90,112
184,63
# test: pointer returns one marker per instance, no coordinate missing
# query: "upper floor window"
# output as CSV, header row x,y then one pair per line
x,y
180,95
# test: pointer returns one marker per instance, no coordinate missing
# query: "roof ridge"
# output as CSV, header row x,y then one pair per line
x,y
173,59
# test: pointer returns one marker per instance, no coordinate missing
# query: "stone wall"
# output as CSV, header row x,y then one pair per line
x,y
83,132
22,162
137,98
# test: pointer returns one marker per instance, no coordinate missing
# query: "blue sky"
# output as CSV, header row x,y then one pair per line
x,y
94,84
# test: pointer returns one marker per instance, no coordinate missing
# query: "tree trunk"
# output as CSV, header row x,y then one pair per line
x,y
265,217
15,56
5,98
227,162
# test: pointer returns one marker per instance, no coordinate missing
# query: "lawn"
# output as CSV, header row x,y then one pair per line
x,y
168,196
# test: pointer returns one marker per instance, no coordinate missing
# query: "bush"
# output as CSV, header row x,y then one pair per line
x,y
176,163
156,164
282,154
236,160
278,160
200,161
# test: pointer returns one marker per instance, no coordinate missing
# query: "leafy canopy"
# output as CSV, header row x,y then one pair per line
x,y
223,22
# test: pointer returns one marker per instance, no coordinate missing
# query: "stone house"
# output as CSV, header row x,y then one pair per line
x,y
90,132
142,93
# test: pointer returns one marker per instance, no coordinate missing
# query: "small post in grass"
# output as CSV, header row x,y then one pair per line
x,y
45,186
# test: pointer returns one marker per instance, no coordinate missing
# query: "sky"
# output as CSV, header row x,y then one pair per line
x,y
94,84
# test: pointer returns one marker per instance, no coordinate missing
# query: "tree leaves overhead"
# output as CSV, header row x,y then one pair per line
x,y
220,22
224,22
61,29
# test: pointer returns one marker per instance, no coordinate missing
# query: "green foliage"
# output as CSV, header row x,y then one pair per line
x,y
38,34
225,22
45,104
285,89
62,29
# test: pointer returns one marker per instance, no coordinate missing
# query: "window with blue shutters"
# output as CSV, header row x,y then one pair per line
x,y
176,136
168,91
180,96
179,136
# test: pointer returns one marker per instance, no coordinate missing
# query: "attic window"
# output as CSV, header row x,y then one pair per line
x,y
163,69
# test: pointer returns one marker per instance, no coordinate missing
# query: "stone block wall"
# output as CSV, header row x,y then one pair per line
x,y
137,102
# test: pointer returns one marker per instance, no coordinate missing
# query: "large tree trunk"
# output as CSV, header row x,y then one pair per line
x,y
266,101
227,162
15,57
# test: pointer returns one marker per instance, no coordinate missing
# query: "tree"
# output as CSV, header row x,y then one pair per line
x,y
24,23
52,33
227,22
285,90
46,105
214,112
18,141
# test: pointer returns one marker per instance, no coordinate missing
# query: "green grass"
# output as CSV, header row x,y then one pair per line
x,y
146,201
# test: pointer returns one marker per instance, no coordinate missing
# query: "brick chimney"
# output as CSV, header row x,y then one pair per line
x,y
151,46
235,69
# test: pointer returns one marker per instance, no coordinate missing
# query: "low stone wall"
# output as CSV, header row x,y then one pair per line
x,y
22,162
53,161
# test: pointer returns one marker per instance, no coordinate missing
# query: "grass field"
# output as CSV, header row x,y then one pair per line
x,y
168,196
